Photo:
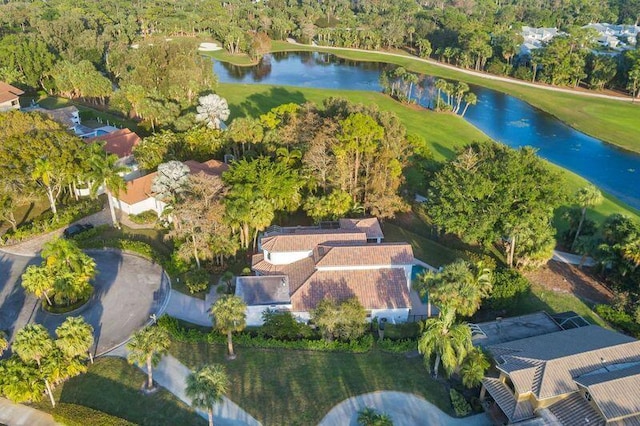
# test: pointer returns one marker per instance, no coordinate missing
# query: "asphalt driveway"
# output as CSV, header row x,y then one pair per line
x,y
127,291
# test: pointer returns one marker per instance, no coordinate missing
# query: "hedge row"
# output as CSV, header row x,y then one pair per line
x,y
245,339
47,222
79,415
398,346
619,319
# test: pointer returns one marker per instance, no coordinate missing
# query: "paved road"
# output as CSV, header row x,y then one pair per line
x,y
128,289
405,409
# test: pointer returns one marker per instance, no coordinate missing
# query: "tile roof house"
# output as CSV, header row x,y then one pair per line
x,y
585,375
9,97
120,143
339,262
138,196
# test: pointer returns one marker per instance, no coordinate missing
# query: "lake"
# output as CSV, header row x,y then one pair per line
x,y
502,117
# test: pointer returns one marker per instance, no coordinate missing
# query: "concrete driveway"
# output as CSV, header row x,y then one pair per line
x,y
127,290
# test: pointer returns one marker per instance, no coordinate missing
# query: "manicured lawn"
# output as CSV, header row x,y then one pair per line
x,y
543,299
113,387
611,121
444,133
423,249
287,387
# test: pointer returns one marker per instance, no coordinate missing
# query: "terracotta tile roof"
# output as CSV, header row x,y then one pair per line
x,y
120,142
563,356
374,288
327,256
308,239
8,92
140,189
369,226
616,392
298,272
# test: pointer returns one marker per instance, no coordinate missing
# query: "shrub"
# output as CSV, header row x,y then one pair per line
x,y
247,339
409,330
619,319
460,405
508,287
283,326
197,280
79,415
146,217
46,222
398,346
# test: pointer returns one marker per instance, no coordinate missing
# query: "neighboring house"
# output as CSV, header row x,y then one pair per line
x,y
139,197
586,375
9,97
535,38
619,37
119,143
67,116
300,266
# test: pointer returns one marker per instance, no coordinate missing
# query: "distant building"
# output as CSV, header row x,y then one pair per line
x,y
616,37
535,38
9,97
298,267
67,116
561,370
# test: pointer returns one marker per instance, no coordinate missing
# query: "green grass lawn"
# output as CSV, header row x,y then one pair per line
x,y
611,121
26,213
423,248
444,133
113,387
288,387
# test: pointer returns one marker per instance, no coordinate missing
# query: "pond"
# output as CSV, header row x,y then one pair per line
x,y
502,117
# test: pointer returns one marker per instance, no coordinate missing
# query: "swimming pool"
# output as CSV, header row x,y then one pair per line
x,y
415,271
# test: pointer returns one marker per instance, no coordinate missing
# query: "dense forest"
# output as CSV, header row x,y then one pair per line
x,y
72,48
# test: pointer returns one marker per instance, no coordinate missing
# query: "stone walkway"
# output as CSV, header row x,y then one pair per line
x,y
20,415
172,374
405,409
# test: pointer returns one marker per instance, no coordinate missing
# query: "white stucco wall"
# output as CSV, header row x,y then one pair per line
x,y
285,258
142,206
10,104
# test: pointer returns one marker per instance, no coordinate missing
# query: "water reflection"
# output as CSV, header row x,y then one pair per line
x,y
502,117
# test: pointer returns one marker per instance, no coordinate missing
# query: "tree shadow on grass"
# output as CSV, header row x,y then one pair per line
x,y
260,103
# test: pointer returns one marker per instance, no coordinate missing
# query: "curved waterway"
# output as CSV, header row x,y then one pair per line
x,y
504,118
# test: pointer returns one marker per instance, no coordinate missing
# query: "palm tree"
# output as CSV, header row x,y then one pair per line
x,y
4,343
631,252
212,110
147,346
449,341
473,368
206,387
107,173
588,196
20,382
44,172
229,315
33,343
75,338
38,281
469,99
370,417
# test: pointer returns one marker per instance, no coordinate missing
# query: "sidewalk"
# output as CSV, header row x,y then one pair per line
x,y
20,415
190,309
171,374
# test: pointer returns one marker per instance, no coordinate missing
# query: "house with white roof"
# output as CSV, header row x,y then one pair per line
x,y
535,38
298,267
618,37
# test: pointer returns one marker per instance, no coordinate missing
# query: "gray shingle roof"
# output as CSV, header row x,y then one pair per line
x,y
263,290
563,356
